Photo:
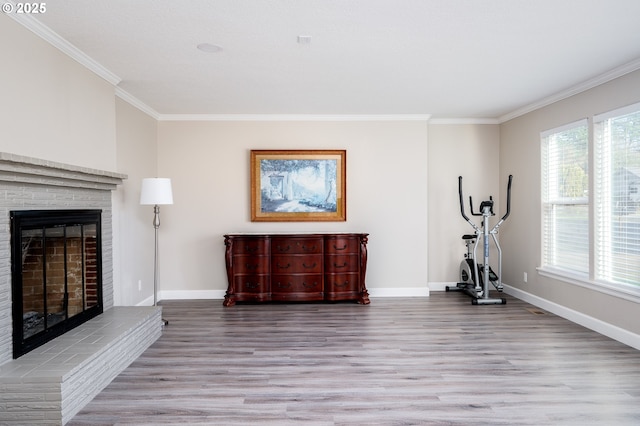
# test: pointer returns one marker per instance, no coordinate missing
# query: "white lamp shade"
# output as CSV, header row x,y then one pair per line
x,y
156,191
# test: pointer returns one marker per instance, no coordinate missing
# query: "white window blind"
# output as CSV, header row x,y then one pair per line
x,y
565,198
617,201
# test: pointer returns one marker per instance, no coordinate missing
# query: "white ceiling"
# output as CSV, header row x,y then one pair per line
x,y
446,58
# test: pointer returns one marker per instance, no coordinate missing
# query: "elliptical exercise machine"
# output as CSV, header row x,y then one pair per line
x,y
475,277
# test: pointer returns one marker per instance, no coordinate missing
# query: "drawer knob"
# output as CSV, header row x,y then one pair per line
x,y
252,285
283,249
304,265
344,265
339,248
344,284
283,266
283,285
305,285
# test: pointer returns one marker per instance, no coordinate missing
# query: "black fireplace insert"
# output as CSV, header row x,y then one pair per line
x,y
56,273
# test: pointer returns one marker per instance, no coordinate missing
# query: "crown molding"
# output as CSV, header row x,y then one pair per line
x,y
137,103
464,121
63,45
293,117
574,90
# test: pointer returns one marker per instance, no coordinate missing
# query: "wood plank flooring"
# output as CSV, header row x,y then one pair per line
x,y
419,361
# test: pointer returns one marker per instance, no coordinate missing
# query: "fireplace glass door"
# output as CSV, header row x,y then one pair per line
x,y
56,258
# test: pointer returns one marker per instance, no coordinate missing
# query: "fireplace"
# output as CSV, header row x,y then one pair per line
x,y
32,184
56,273
54,381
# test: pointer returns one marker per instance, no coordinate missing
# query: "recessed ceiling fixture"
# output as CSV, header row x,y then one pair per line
x,y
304,39
209,48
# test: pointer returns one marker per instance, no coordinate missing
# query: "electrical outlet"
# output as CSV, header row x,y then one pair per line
x,y
139,285
525,277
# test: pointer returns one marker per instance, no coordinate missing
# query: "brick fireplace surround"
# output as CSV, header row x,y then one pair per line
x,y
50,384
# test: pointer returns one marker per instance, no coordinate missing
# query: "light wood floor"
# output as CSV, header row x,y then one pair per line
x,y
419,361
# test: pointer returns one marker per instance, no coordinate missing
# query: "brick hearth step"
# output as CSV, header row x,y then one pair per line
x,y
51,384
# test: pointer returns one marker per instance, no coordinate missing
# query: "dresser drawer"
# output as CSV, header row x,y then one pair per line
x,y
296,246
297,264
251,283
342,263
296,283
251,246
338,283
342,245
244,264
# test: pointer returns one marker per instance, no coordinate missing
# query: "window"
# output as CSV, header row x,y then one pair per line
x,y
565,198
617,212
607,205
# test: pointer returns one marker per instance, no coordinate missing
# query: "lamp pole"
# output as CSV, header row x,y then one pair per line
x,y
156,191
156,225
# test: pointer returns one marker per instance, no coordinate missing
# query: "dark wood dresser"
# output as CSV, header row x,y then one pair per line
x,y
296,267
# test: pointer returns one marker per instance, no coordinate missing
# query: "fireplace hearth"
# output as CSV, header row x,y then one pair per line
x,y
56,273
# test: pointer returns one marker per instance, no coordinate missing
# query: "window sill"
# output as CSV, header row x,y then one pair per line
x,y
626,292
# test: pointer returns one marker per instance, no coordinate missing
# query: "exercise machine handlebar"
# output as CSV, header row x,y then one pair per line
x,y
487,203
506,215
483,204
461,199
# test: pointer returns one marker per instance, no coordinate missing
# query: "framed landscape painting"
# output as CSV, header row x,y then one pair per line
x,y
298,185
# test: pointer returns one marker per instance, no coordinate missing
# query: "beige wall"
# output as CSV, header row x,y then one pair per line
x,y
209,164
520,155
137,136
52,107
470,151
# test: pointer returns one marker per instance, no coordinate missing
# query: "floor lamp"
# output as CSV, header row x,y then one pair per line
x,y
156,192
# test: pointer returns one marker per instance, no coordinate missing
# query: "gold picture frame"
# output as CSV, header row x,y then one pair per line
x,y
298,185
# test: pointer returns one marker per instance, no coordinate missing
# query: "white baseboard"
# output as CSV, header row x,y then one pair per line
x,y
146,302
440,286
604,328
184,295
219,294
192,294
399,292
